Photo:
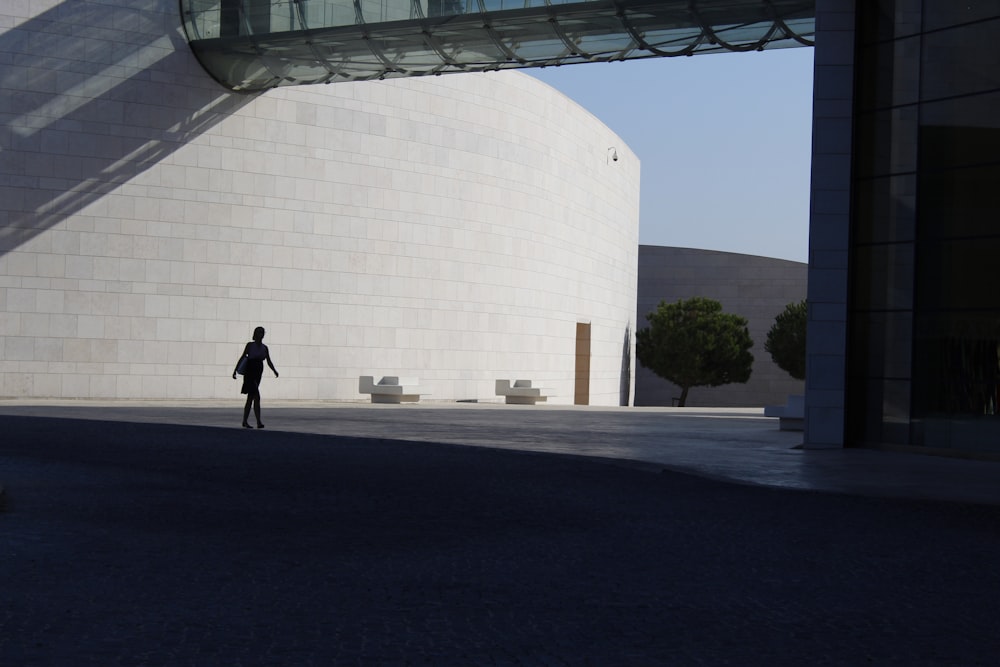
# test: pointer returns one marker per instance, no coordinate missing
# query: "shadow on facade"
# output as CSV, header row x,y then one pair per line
x,y
626,375
74,128
757,288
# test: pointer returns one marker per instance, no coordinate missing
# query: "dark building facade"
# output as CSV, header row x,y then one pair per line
x,y
905,227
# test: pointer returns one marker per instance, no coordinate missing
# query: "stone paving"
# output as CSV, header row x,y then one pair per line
x,y
737,444
145,543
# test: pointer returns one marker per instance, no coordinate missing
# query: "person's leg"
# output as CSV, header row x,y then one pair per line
x,y
256,410
246,410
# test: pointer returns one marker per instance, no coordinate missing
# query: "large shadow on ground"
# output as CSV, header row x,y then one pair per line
x,y
166,545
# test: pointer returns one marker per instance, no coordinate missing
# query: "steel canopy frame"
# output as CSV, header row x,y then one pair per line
x,y
251,45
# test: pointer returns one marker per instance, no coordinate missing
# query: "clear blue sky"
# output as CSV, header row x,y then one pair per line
x,y
724,141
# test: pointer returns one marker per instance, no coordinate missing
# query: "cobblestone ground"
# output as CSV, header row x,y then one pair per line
x,y
132,544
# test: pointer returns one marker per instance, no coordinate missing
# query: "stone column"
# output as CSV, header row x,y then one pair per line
x,y
829,223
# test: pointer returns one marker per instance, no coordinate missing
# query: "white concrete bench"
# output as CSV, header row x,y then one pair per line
x,y
521,392
391,389
791,416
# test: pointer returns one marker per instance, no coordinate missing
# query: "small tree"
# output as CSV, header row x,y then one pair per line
x,y
693,343
786,341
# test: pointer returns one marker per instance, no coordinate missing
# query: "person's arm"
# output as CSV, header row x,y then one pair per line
x,y
267,358
245,349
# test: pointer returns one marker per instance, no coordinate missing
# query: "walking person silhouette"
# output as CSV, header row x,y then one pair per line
x,y
255,354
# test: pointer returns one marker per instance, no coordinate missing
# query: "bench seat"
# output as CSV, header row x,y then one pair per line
x,y
391,389
791,416
521,392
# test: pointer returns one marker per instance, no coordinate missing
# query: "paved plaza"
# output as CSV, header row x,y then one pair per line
x,y
348,534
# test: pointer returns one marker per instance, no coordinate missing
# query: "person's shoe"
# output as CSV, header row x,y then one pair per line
x,y
260,424
246,425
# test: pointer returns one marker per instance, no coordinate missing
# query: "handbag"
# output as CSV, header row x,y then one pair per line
x,y
242,366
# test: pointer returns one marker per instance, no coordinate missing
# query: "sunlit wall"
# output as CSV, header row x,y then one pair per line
x,y
454,229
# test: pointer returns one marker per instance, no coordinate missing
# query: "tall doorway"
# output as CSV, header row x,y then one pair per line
x,y
581,391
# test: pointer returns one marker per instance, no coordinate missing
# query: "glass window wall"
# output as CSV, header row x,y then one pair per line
x,y
924,358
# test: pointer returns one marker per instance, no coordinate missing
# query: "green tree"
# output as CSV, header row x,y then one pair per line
x,y
786,341
692,343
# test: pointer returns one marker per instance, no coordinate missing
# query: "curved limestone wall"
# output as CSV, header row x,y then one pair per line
x,y
456,229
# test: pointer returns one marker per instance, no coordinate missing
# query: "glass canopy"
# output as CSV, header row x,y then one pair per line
x,y
252,45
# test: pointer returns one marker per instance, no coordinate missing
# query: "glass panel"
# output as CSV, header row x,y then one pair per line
x,y
507,5
957,374
607,46
944,13
257,15
467,52
958,274
328,13
283,16
379,11
894,80
861,420
895,404
883,277
673,41
882,344
887,142
880,411
242,71
231,22
201,19
597,37
899,346
530,40
965,434
960,132
961,61
885,209
883,20
959,203
449,7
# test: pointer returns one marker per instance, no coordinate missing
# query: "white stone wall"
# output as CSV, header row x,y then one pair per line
x,y
455,229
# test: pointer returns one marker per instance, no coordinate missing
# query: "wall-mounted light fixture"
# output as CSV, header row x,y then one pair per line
x,y
612,155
